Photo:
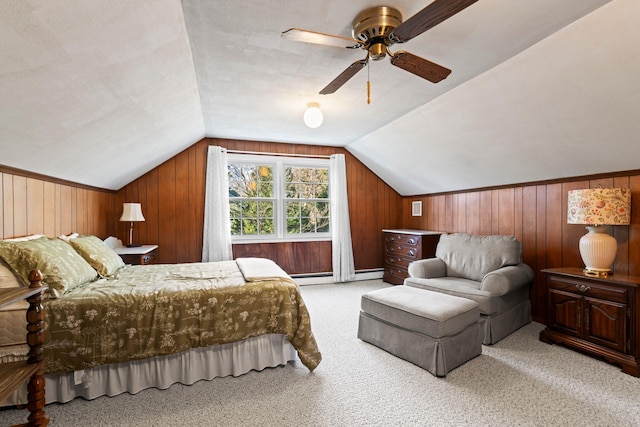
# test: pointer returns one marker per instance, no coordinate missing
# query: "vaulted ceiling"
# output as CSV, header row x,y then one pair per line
x,y
100,92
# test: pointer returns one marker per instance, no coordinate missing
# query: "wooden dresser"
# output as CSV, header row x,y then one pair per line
x,y
404,246
598,316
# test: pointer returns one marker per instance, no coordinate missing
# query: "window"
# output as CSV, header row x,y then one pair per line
x,y
251,199
276,198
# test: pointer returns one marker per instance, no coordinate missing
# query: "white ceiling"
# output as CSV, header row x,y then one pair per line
x,y
100,92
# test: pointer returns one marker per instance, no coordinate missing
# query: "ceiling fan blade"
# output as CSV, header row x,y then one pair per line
x,y
344,77
427,18
307,36
420,66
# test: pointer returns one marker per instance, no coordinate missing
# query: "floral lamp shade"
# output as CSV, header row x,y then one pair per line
x,y
599,206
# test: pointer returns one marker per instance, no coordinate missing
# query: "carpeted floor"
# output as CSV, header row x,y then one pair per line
x,y
520,381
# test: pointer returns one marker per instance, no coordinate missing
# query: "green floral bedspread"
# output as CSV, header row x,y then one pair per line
x,y
155,310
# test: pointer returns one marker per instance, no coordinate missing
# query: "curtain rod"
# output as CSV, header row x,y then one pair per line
x,y
264,153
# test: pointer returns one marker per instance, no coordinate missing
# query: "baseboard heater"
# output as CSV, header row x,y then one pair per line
x,y
327,277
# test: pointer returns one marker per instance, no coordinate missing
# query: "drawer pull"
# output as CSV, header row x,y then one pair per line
x,y
411,253
583,288
412,241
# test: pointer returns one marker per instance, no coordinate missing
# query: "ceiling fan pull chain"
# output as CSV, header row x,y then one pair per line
x,y
368,85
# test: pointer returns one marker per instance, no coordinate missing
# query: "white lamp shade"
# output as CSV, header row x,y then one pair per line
x,y
313,116
131,212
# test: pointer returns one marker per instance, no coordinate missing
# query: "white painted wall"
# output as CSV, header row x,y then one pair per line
x,y
568,106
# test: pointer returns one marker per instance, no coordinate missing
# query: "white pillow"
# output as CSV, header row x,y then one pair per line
x,y
69,237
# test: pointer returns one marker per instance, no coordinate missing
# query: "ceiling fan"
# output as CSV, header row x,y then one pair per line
x,y
377,28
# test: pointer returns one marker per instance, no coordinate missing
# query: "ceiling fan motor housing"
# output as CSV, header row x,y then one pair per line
x,y
372,27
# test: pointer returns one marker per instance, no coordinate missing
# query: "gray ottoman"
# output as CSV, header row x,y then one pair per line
x,y
435,331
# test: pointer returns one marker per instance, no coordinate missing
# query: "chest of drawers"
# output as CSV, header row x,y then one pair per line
x,y
403,246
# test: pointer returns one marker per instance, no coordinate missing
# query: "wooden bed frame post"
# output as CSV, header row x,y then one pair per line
x,y
35,340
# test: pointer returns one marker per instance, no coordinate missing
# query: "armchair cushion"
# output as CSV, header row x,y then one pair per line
x,y
472,257
507,279
428,268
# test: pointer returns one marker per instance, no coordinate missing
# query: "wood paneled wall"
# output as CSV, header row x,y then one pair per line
x,y
172,197
39,206
536,214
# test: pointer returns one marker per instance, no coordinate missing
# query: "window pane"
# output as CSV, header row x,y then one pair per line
x,y
323,225
322,191
265,189
306,191
291,191
293,209
266,226
322,209
235,209
307,225
265,209
322,175
236,227
249,226
265,173
242,180
307,208
293,225
249,209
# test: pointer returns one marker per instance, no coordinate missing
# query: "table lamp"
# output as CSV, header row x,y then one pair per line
x,y
131,212
597,208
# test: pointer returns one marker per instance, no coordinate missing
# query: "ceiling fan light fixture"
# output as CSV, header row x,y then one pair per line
x,y
377,51
313,116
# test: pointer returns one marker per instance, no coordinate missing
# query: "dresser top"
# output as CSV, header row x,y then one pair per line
x,y
409,231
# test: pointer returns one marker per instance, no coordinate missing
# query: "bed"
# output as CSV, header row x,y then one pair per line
x,y
113,328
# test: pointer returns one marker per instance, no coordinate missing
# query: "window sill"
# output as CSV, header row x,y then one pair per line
x,y
283,240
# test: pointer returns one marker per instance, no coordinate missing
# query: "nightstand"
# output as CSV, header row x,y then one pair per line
x,y
598,316
141,255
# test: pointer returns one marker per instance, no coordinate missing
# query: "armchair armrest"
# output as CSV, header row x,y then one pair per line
x,y
506,279
428,268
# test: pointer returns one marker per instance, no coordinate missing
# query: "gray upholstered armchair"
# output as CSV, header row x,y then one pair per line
x,y
485,269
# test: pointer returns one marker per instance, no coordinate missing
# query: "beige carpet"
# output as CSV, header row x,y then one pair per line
x,y
517,382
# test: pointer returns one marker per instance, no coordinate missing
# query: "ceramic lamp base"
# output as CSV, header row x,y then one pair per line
x,y
598,250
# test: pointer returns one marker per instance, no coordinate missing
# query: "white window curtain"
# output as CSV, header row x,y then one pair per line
x,y
342,255
216,242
